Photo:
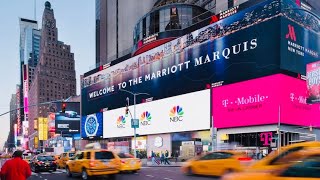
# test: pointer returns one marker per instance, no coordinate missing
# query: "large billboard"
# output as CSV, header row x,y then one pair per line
x,y
262,101
67,123
313,82
92,126
246,41
300,39
188,112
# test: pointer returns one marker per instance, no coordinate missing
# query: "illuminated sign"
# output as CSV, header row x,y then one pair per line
x,y
313,82
43,128
174,114
266,138
262,97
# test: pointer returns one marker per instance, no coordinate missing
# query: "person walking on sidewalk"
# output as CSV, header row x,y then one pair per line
x,y
166,159
153,158
162,158
16,168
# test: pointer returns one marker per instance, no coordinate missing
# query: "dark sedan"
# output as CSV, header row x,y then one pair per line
x,y
43,163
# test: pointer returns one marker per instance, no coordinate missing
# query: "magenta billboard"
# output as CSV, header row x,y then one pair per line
x,y
313,82
263,101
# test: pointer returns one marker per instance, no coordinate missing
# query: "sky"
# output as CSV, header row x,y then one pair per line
x,y
75,21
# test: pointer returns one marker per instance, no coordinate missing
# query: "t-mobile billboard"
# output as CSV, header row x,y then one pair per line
x,y
246,41
263,101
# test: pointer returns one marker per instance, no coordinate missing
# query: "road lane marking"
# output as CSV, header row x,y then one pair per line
x,y
45,173
167,178
149,176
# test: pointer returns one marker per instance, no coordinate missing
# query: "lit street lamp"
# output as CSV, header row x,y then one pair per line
x,y
134,115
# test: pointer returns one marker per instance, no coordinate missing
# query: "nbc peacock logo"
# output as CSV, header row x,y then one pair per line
x,y
121,122
145,118
176,114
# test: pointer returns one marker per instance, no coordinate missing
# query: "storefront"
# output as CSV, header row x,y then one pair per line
x,y
251,117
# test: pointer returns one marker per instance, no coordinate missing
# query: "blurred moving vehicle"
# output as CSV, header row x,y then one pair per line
x,y
287,154
129,163
215,163
306,168
27,159
43,163
64,157
94,161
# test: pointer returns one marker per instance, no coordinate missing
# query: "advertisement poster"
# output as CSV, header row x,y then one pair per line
x,y
300,40
246,41
174,114
313,82
67,123
43,128
261,101
92,126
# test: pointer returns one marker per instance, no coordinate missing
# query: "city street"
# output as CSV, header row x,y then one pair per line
x,y
157,173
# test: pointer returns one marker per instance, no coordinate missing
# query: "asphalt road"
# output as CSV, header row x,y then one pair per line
x,y
152,173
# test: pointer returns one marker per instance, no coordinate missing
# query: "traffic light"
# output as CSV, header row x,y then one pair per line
x,y
127,111
63,108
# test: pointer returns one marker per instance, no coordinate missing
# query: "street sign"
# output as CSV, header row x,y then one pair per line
x,y
134,123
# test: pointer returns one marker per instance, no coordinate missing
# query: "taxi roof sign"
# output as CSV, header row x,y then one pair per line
x,y
95,145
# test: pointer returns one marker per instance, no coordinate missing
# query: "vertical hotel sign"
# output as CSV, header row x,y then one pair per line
x,y
43,128
313,82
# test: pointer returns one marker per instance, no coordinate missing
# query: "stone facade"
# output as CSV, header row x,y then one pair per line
x,y
54,76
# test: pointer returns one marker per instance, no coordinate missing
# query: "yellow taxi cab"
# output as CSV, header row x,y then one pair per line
x,y
64,157
278,159
215,163
129,163
94,161
306,168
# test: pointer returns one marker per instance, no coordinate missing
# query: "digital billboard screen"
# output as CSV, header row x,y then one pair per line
x,y
174,114
313,82
261,101
211,54
67,123
300,38
92,126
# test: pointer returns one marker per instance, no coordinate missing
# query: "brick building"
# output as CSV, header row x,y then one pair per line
x,y
54,76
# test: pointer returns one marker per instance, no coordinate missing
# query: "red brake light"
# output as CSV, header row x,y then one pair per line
x,y
122,161
244,159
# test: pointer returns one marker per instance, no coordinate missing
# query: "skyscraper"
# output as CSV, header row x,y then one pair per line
x,y
54,76
28,51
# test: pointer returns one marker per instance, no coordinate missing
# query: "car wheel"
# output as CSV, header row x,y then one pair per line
x,y
135,171
69,174
190,172
113,176
228,171
36,170
55,169
84,174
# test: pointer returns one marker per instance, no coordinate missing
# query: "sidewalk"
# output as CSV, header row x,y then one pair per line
x,y
172,164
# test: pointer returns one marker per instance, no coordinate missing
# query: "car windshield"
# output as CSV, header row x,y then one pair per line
x,y
124,155
104,155
45,158
71,154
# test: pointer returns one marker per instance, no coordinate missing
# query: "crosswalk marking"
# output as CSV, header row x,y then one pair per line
x,y
59,171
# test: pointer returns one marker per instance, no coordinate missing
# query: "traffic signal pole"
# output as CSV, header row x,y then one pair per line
x,y
134,116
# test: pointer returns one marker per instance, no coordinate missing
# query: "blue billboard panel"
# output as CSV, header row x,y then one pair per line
x,y
92,126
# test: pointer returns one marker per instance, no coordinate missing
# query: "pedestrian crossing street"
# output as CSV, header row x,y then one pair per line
x,y
59,171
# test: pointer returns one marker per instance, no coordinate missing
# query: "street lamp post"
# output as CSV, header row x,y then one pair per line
x,y
134,116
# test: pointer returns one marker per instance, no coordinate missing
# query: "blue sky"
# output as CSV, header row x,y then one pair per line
x,y
76,27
